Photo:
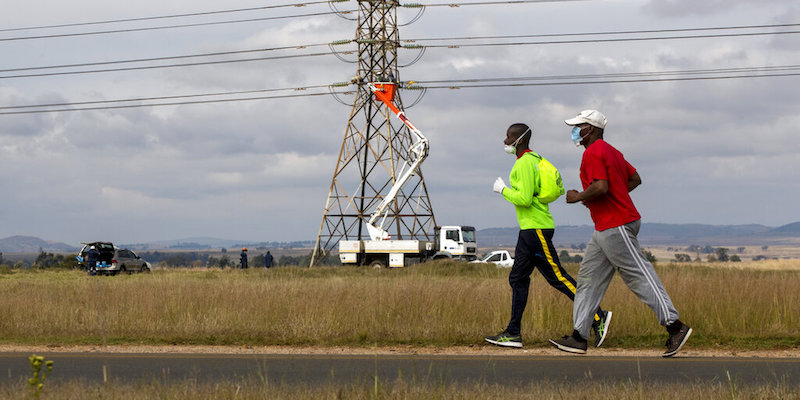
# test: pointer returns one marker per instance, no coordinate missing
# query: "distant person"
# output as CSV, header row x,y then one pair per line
x,y
268,260
92,256
243,258
531,191
607,179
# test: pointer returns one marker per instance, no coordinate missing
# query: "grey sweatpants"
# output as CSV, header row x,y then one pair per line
x,y
617,249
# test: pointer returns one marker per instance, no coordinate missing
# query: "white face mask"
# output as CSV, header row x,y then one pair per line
x,y
512,148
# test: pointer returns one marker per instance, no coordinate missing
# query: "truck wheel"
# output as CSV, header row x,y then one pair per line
x,y
122,270
377,264
144,268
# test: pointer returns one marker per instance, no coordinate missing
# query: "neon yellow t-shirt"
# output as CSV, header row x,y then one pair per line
x,y
523,182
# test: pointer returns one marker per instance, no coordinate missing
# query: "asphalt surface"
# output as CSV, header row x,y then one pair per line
x,y
432,369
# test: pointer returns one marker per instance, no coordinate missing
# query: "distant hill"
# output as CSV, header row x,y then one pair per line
x,y
565,236
661,234
31,244
206,243
792,229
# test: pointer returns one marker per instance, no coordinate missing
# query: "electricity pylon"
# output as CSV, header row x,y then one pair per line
x,y
375,149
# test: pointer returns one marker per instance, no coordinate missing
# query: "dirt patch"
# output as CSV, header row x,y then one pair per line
x,y
479,350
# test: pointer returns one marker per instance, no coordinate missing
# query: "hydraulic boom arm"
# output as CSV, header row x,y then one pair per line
x,y
384,91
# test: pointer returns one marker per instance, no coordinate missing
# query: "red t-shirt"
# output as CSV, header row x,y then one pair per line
x,y
602,161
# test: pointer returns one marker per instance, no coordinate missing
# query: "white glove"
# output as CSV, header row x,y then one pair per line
x,y
499,185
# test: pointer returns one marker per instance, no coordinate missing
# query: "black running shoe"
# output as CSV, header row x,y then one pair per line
x,y
505,339
677,340
570,344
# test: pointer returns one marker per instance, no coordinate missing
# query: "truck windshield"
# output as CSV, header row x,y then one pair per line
x,y
469,235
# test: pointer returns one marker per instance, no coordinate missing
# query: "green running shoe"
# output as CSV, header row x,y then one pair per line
x,y
505,339
601,328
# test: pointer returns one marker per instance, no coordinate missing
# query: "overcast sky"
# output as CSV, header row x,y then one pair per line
x,y
709,151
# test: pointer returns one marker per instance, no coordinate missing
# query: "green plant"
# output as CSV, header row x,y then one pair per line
x,y
37,381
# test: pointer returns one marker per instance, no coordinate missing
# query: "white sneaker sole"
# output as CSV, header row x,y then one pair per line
x,y
517,345
685,338
567,349
605,331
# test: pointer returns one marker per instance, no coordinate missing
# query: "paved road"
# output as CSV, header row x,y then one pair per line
x,y
436,369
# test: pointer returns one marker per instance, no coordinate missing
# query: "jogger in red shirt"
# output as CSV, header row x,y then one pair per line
x,y
607,178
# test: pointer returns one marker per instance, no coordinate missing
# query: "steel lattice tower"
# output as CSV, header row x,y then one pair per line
x,y
375,148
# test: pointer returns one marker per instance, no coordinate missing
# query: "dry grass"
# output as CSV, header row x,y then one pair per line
x,y
256,389
435,304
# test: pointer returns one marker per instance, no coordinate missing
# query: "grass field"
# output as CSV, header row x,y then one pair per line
x,y
741,306
407,390
435,304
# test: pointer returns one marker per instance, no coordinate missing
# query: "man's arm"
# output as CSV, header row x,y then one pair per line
x,y
634,181
599,187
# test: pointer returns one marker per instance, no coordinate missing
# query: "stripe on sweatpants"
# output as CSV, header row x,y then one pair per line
x,y
553,264
555,267
640,263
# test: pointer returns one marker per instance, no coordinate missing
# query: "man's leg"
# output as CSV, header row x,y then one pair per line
x,y
549,265
621,246
594,276
520,278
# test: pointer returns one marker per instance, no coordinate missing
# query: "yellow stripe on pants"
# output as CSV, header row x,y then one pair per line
x,y
555,267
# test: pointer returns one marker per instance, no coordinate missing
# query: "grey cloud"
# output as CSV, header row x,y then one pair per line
x,y
680,8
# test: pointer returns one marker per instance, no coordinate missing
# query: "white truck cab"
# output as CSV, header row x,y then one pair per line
x,y
456,242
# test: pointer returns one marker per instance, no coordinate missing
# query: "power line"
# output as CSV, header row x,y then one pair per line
x,y
713,71
499,82
173,97
250,9
147,67
488,3
643,79
610,40
153,28
630,32
413,41
176,103
128,30
195,14
140,60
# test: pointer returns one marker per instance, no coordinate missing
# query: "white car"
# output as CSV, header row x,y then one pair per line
x,y
501,258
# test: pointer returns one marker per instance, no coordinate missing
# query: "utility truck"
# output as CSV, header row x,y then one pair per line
x,y
381,250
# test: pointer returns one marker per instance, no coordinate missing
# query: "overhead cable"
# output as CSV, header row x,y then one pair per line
x,y
665,76
174,103
491,3
153,28
412,44
609,40
147,67
497,82
140,19
604,33
711,71
159,98
185,56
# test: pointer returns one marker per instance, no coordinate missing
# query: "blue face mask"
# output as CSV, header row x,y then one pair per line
x,y
576,135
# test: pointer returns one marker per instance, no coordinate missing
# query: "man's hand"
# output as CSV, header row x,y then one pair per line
x,y
499,185
573,196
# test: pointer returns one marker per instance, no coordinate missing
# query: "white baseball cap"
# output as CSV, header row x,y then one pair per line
x,y
591,117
